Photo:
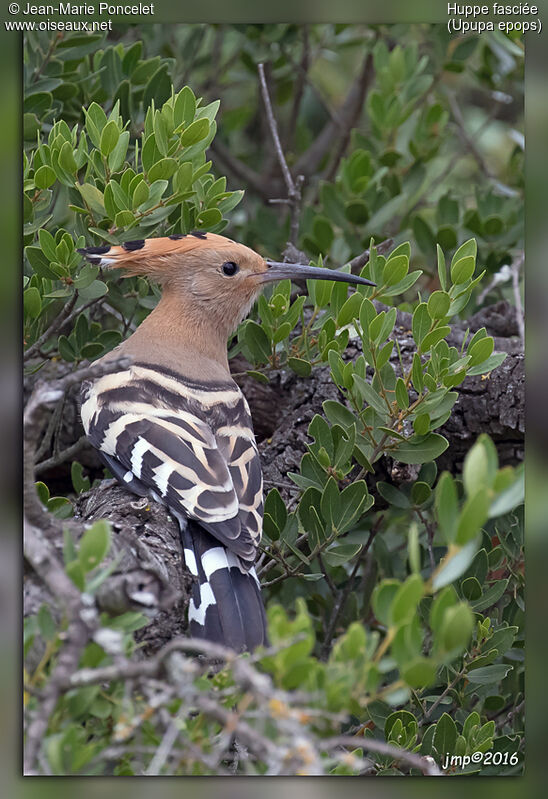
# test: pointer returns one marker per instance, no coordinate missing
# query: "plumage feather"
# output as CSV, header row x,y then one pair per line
x,y
175,426
158,429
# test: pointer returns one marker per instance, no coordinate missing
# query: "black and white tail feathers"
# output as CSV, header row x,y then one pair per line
x,y
226,604
191,447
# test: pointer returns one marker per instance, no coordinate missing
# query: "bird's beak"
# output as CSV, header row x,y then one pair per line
x,y
281,271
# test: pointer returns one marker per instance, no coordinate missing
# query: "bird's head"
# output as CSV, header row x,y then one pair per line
x,y
220,277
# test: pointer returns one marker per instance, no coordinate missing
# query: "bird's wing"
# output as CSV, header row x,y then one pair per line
x,y
193,446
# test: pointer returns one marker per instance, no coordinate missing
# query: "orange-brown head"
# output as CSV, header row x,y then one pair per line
x,y
211,275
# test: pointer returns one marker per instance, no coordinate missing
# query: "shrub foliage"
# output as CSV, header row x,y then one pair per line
x,y
395,609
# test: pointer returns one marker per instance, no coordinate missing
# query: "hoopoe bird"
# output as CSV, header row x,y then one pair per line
x,y
175,426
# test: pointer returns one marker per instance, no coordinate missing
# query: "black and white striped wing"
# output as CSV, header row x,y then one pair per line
x,y
199,457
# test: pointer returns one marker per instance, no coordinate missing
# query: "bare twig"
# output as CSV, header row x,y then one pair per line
x,y
53,328
343,595
426,765
442,696
430,532
358,263
44,395
82,619
240,170
308,163
465,136
516,267
41,555
61,457
352,120
298,90
293,186
164,749
501,723
333,114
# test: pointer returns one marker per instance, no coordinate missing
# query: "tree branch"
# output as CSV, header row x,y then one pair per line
x,y
424,764
308,163
298,93
239,169
352,119
56,325
293,186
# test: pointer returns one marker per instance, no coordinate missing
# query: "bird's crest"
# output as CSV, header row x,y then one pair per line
x,y
145,256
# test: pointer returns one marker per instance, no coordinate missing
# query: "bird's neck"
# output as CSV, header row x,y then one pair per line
x,y
179,336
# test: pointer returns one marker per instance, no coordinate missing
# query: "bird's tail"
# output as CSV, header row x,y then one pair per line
x,y
226,604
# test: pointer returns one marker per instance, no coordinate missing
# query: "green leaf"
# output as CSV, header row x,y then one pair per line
x,y
473,516
490,596
46,623
462,270
420,673
356,211
76,573
510,498
424,236
338,413
446,505
405,601
66,158
257,341
417,374
488,675
476,473
469,248
420,449
487,366
160,133
402,397
140,194
350,309
300,366
445,735
421,322
162,170
109,138
370,396
455,565
395,270
184,107
442,269
420,493
196,132
438,304
47,243
275,509
421,424
340,554
44,177
393,495
158,87
93,198
66,350
32,302
432,338
382,598
481,350
94,545
354,499
456,629
405,284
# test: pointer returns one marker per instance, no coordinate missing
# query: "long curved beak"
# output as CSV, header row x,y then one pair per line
x,y
281,271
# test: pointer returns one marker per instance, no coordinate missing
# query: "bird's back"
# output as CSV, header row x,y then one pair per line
x,y
191,446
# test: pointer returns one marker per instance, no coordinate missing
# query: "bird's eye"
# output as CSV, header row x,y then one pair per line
x,y
230,268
